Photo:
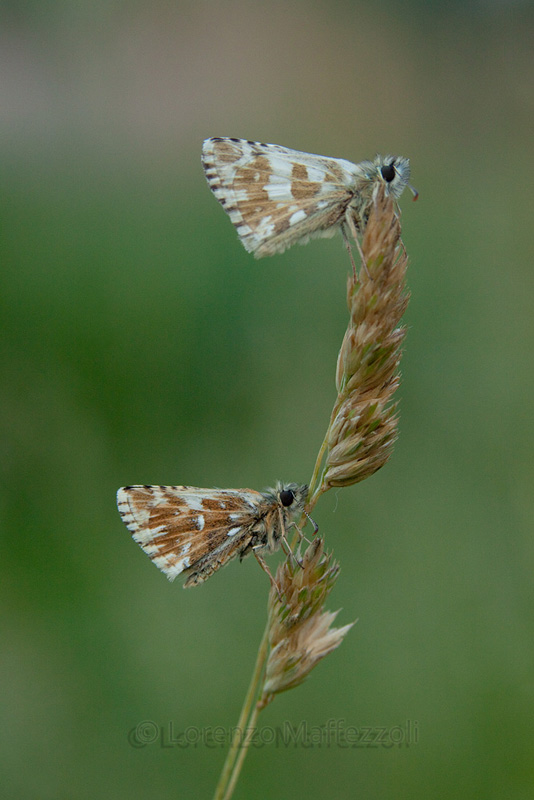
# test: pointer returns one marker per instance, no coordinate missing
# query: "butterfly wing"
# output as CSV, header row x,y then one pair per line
x,y
185,529
276,196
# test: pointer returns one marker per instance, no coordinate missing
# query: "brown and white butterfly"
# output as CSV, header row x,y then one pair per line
x,y
276,196
196,531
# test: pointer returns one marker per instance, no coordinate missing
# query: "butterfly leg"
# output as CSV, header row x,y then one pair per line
x,y
349,250
354,233
263,564
289,552
301,535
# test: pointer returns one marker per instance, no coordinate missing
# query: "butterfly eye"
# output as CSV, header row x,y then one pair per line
x,y
286,497
388,172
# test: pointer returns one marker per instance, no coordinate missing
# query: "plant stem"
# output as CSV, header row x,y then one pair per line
x,y
251,724
313,493
316,486
240,739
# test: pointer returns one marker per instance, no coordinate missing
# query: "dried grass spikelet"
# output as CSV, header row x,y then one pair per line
x,y
363,426
300,632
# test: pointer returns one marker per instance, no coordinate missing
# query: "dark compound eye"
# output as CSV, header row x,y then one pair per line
x,y
388,172
286,497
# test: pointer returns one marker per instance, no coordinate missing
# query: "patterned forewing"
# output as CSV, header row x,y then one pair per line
x,y
178,526
276,196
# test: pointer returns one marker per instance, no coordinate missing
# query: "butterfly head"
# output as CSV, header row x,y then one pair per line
x,y
395,172
291,497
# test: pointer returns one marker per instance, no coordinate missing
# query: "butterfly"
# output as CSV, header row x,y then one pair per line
x,y
196,531
276,196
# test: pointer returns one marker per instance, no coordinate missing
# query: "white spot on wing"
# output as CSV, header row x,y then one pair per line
x,y
316,174
280,167
233,531
194,503
279,192
150,549
298,216
144,535
171,570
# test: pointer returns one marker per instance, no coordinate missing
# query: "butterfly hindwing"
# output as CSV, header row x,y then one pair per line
x,y
178,526
276,196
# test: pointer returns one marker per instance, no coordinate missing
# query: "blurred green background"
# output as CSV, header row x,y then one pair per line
x,y
141,343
